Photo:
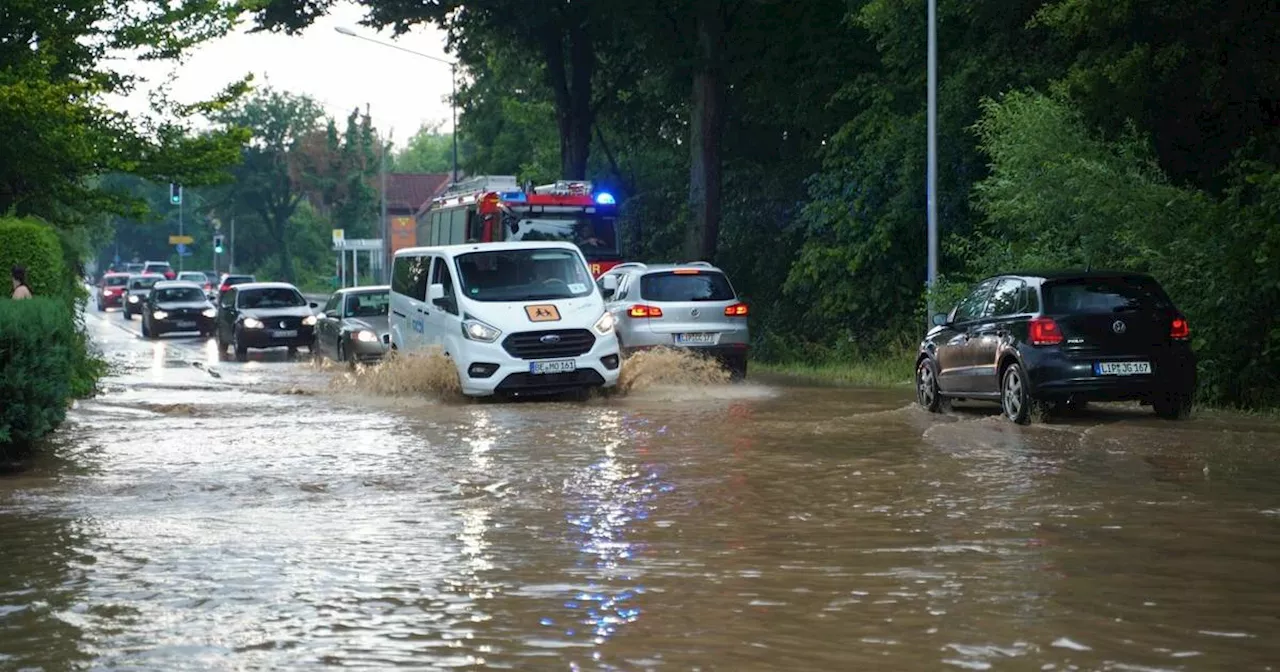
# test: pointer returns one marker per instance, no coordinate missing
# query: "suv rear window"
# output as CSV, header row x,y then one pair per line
x,y
686,286
1104,295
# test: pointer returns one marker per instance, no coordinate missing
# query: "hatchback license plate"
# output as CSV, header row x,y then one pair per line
x,y
695,339
187,324
289,333
1122,368
555,366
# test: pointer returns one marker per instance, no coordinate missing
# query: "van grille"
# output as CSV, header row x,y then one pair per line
x,y
566,343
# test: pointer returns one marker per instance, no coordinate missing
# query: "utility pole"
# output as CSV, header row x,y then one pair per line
x,y
932,170
453,102
231,256
386,225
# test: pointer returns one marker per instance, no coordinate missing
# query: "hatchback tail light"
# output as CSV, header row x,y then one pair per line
x,y
1044,331
641,310
1180,330
736,310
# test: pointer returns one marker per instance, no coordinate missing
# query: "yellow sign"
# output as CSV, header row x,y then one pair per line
x,y
338,236
544,313
181,240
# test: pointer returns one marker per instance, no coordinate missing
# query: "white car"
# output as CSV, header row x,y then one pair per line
x,y
517,318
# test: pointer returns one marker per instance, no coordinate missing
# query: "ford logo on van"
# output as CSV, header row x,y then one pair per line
x,y
550,339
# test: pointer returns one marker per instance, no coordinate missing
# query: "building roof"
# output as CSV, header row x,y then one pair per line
x,y
408,191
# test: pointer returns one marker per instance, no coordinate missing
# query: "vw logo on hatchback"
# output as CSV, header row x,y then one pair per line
x,y
1119,326
550,339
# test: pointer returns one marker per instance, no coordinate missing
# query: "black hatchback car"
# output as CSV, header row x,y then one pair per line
x,y
264,315
1034,342
174,306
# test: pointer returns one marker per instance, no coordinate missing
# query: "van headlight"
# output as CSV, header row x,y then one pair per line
x,y
251,323
479,331
210,312
309,321
604,325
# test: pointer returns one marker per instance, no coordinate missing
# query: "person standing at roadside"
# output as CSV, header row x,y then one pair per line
x,y
20,288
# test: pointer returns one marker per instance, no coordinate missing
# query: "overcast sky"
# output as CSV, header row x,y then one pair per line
x,y
404,91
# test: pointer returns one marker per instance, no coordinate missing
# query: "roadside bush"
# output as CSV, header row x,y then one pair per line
x,y
36,349
33,244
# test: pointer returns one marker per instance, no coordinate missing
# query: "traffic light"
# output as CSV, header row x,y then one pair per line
x,y
217,243
175,194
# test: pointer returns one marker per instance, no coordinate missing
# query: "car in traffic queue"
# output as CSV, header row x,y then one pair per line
x,y
159,268
200,278
177,306
516,318
353,325
136,292
134,268
260,315
230,280
691,305
111,290
1036,342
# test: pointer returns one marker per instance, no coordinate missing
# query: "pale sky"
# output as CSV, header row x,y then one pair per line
x,y
404,91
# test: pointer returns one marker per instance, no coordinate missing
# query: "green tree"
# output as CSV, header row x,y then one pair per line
x,y
428,151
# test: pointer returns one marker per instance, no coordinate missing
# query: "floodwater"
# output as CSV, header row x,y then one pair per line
x,y
208,515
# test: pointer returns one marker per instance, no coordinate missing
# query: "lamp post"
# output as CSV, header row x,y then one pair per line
x,y
931,187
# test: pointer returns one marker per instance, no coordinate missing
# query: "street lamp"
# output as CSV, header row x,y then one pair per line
x,y
453,76
931,179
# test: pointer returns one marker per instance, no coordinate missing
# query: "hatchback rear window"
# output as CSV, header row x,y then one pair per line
x,y
686,286
1104,295
116,280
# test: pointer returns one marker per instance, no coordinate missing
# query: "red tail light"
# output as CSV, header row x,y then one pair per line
x,y
644,311
736,310
224,288
1044,331
1180,330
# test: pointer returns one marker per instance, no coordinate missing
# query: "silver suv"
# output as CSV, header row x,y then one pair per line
x,y
689,305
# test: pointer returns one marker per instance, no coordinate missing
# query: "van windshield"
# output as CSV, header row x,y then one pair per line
x,y
524,275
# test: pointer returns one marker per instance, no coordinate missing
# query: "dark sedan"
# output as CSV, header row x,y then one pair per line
x,y
176,306
353,327
263,315
1039,342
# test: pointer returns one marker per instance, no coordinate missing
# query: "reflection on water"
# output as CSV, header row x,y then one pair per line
x,y
193,518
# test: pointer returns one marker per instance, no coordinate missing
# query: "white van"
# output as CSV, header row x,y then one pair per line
x,y
517,318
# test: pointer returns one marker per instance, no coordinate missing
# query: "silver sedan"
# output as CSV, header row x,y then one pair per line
x,y
353,325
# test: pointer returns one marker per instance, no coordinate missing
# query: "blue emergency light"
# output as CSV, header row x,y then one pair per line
x,y
605,198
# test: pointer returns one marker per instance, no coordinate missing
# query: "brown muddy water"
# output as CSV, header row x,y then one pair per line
x,y
208,515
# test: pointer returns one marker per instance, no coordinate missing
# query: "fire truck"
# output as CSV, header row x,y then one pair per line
x,y
489,208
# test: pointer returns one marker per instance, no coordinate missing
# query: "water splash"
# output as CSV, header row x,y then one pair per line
x,y
669,367
429,372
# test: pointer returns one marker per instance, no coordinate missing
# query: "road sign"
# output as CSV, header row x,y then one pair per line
x,y
182,250
358,244
181,240
338,236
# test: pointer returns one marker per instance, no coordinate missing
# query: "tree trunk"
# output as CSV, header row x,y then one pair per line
x,y
571,83
706,123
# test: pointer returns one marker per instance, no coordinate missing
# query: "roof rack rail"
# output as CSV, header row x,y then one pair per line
x,y
701,264
630,264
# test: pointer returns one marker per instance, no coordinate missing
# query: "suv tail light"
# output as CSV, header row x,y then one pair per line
x,y
1180,330
1044,331
642,310
224,288
736,310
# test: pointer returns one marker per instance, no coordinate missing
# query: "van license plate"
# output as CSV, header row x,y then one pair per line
x,y
555,366
695,339
290,333
1122,368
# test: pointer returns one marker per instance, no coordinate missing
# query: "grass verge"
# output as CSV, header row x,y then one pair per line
x,y
890,370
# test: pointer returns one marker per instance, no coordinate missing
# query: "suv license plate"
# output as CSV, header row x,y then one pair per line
x,y
695,339
1122,368
288,333
555,366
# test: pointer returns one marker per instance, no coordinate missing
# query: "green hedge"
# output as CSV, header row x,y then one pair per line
x,y
33,244
36,352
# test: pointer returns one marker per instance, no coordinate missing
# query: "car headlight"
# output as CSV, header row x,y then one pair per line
x,y
479,331
159,315
366,336
133,299
309,321
251,323
604,325
210,312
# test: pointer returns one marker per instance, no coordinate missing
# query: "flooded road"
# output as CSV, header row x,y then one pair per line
x,y
207,515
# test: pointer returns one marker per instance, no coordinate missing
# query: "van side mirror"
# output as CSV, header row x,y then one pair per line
x,y
939,319
435,292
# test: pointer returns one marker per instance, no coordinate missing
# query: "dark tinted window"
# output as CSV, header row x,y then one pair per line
x,y
686,286
1104,295
409,276
367,304
400,275
143,283
233,280
116,280
970,307
1007,299
270,297
156,268
184,294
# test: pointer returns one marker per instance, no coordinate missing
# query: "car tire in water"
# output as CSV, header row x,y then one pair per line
x,y
1015,398
927,393
738,369
242,353
1173,406
146,333
127,315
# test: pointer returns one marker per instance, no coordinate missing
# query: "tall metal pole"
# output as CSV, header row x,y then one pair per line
x,y
386,225
231,256
932,188
453,102
180,227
